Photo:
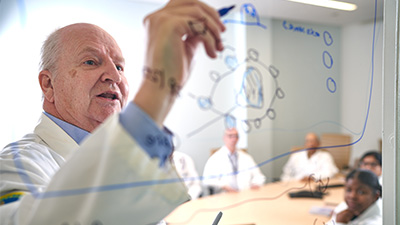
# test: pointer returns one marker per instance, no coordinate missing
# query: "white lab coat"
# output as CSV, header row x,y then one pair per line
x,y
371,216
186,169
109,179
320,164
218,171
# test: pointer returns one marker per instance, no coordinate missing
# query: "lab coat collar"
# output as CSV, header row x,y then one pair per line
x,y
225,149
55,137
371,211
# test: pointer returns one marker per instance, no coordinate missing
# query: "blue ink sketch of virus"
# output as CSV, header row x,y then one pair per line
x,y
248,16
239,96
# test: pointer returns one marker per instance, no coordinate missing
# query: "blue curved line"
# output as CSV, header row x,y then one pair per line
x,y
25,178
368,108
244,23
22,171
334,146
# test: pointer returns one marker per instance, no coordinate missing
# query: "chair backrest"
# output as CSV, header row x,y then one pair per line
x,y
213,150
341,155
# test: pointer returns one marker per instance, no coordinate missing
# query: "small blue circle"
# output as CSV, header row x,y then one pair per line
x,y
230,121
204,103
327,56
328,38
331,85
271,113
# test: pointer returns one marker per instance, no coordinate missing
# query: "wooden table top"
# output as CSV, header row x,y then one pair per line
x,y
270,204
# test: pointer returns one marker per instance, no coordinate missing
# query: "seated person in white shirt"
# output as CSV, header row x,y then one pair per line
x,y
372,160
309,161
186,169
230,169
361,206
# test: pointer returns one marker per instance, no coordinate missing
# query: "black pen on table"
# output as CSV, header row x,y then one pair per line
x,y
222,12
216,221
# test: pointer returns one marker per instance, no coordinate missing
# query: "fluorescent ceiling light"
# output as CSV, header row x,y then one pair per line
x,y
329,4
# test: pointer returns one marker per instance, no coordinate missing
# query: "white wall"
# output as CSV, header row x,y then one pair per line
x,y
357,72
308,105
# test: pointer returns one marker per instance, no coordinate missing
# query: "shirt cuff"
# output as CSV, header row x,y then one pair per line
x,y
156,142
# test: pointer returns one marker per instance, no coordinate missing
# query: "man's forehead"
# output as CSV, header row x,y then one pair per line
x,y
114,53
231,131
311,137
82,35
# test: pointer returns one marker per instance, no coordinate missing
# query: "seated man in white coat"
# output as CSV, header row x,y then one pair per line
x,y
230,169
89,161
309,162
186,169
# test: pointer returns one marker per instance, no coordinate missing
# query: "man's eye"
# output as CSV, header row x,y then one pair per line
x,y
119,68
90,62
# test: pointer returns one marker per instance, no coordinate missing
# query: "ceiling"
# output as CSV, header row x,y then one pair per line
x,y
283,9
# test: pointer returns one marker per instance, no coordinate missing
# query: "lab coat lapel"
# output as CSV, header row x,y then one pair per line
x,y
55,137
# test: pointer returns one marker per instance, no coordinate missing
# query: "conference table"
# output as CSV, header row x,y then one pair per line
x,y
270,204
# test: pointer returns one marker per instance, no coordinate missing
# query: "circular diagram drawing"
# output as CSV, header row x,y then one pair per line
x,y
242,95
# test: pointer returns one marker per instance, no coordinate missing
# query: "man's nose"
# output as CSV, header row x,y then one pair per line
x,y
111,74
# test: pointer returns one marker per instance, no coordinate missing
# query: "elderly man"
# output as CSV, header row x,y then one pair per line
x,y
86,161
301,165
230,169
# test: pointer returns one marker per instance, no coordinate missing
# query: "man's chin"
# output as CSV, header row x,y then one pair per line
x,y
103,115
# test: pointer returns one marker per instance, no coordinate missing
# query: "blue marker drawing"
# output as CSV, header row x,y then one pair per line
x,y
272,71
248,16
300,29
328,38
331,85
247,94
251,92
327,59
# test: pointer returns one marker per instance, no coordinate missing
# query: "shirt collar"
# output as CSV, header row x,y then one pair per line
x,y
74,132
229,151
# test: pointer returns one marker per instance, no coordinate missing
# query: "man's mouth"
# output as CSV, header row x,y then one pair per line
x,y
108,95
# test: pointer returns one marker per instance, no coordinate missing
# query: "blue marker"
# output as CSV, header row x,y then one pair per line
x,y
222,12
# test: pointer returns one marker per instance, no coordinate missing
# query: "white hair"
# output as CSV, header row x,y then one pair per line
x,y
50,54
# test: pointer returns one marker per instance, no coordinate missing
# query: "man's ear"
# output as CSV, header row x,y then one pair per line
x,y
46,84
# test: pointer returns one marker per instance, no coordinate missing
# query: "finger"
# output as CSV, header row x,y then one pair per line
x,y
208,44
198,33
213,14
200,17
206,8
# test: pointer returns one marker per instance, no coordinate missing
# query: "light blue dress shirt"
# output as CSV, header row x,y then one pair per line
x,y
156,142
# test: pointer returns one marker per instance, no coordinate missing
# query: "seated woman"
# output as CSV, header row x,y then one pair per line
x,y
372,160
362,191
